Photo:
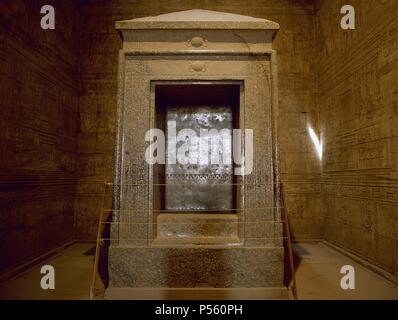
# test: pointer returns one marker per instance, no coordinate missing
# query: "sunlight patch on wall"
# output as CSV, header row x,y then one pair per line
x,y
316,141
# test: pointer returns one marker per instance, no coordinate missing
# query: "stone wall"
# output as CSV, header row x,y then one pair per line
x,y
296,48
358,100
38,129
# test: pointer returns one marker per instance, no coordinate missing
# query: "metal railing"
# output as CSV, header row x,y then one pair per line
x,y
97,287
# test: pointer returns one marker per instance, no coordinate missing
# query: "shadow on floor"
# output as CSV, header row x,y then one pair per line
x,y
296,262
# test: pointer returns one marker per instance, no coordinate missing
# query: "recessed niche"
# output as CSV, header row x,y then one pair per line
x,y
205,182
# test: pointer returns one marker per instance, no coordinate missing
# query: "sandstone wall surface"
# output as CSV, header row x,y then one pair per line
x,y
358,103
39,93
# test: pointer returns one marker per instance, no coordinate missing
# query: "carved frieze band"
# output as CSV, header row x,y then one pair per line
x,y
386,194
190,52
